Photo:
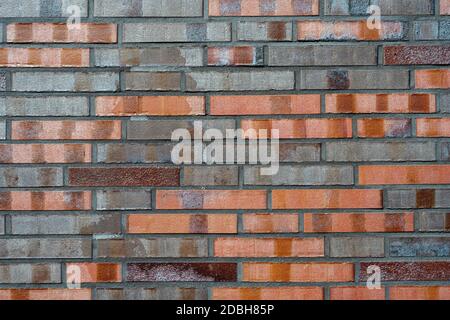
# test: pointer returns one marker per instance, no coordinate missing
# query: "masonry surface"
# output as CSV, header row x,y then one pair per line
x,y
86,177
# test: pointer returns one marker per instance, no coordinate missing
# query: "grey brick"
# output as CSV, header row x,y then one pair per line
x,y
162,81
359,7
134,153
158,57
163,129
148,8
401,199
445,103
240,81
123,199
445,151
404,7
380,151
210,176
426,30
2,130
421,198
16,248
444,30
177,32
31,177
167,293
65,224
3,77
321,55
65,81
353,79
1,33
299,152
40,8
434,221
348,247
152,248
2,225
45,106
301,175
337,7
420,247
264,31
27,273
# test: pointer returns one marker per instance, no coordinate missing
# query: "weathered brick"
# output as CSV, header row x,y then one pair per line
x,y
148,248
31,177
268,293
182,223
408,271
416,55
148,8
66,130
44,57
380,103
211,199
405,7
298,272
263,8
45,153
380,151
419,247
17,248
279,247
235,56
337,7
420,198
44,106
65,81
444,30
434,222
160,81
270,223
301,175
2,130
149,57
384,128
60,33
123,200
264,31
353,79
210,176
426,30
45,200
347,247
327,199
424,174
3,81
444,151
239,81
176,32
65,224
299,152
358,222
30,273
45,294
124,176
163,293
98,272
433,127
419,293
134,153
320,55
433,79
357,293
445,7
2,225
170,272
40,8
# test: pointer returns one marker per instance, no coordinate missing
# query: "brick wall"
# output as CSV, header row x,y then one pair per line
x,y
87,182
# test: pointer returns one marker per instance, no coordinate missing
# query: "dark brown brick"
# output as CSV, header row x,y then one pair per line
x,y
409,271
416,55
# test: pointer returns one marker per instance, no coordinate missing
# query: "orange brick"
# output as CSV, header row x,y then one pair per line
x,y
45,200
261,105
298,272
327,199
44,57
445,7
419,293
182,223
302,128
66,130
150,106
395,175
359,222
98,272
60,33
45,294
433,127
357,293
347,30
260,8
270,223
211,199
433,79
45,153
380,103
269,293
384,128
280,247
233,56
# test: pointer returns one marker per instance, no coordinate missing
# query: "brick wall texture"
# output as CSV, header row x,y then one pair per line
x,y
86,177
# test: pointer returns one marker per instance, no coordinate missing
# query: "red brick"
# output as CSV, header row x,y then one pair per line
x,y
265,247
261,105
419,293
433,127
60,33
270,223
394,175
44,57
357,293
433,79
260,8
98,272
233,56
268,293
384,128
45,294
327,199
416,55
45,153
150,106
45,200
445,7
